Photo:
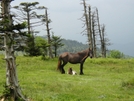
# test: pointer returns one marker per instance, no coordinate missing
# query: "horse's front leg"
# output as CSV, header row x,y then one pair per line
x,y
81,68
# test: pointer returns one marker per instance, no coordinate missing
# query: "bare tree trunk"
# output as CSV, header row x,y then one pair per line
x,y
94,35
99,28
103,41
55,51
11,75
48,34
88,27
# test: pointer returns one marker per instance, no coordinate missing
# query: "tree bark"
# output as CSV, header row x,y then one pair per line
x,y
87,24
48,35
94,34
90,28
11,74
99,28
103,42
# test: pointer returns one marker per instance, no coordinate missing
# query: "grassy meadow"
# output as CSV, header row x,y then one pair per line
x,y
103,80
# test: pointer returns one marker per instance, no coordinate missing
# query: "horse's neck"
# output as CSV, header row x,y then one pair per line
x,y
85,52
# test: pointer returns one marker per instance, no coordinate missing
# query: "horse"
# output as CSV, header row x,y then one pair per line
x,y
71,71
73,58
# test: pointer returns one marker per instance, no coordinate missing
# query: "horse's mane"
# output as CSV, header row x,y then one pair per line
x,y
83,51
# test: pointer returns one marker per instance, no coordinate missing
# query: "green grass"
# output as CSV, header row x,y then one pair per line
x,y
103,80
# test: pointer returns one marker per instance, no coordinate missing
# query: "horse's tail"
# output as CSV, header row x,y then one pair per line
x,y
59,64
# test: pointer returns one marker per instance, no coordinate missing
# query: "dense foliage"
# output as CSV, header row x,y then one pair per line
x,y
116,54
56,42
41,44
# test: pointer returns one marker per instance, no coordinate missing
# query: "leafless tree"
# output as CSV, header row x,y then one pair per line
x,y
87,21
94,29
104,41
47,21
94,33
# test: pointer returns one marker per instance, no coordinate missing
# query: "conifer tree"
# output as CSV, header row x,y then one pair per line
x,y
11,34
27,12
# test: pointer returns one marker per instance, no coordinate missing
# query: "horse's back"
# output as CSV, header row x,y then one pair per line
x,y
63,55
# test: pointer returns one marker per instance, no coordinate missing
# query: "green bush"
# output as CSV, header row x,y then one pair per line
x,y
116,54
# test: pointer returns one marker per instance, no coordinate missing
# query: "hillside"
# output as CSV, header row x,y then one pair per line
x,y
72,46
75,46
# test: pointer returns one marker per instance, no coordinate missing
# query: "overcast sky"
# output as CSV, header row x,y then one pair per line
x,y
117,15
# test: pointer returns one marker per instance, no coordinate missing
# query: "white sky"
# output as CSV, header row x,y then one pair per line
x,y
117,15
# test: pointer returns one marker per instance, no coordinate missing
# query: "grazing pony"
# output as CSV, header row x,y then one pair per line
x,y
73,58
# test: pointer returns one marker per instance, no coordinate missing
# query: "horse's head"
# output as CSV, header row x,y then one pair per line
x,y
70,70
90,53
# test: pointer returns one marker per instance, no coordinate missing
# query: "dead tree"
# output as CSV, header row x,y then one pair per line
x,y
99,29
48,33
104,41
11,74
94,33
88,23
93,28
90,27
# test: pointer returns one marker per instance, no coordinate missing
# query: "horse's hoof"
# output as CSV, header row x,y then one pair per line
x,y
81,73
63,73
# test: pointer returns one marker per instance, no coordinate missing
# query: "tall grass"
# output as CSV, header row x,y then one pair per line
x,y
103,80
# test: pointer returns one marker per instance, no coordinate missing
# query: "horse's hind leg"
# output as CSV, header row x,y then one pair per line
x,y
62,70
62,67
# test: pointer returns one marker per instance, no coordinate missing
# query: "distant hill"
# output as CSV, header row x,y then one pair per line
x,y
75,46
72,46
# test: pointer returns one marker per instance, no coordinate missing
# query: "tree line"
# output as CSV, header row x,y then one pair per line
x,y
27,12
